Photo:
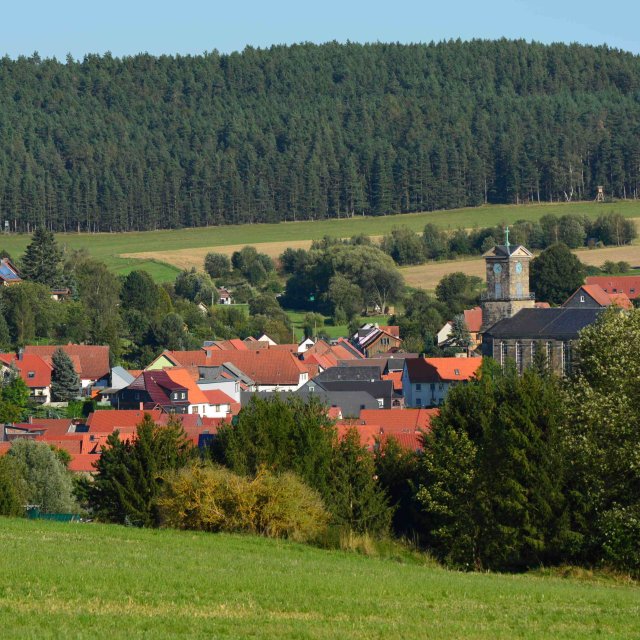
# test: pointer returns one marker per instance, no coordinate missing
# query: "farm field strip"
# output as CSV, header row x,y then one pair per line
x,y
83,581
427,276
154,251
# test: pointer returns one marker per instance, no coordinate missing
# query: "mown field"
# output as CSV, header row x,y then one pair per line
x,y
88,581
162,252
427,276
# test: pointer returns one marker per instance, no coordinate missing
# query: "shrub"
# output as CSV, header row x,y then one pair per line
x,y
210,498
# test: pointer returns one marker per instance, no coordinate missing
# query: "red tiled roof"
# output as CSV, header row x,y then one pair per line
x,y
93,359
411,440
473,319
215,396
396,378
621,300
181,376
264,366
618,284
30,363
597,293
391,330
54,427
398,419
442,369
107,421
84,462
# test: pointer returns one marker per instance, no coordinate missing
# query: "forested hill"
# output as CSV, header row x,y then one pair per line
x,y
310,131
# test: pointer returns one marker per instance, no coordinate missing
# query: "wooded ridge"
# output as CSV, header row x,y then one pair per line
x,y
310,132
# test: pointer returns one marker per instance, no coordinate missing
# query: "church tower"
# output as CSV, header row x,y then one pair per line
x,y
507,268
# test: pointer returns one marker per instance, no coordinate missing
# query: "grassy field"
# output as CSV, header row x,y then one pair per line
x,y
88,581
111,247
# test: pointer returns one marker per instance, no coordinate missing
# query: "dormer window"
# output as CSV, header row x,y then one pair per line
x,y
31,374
456,372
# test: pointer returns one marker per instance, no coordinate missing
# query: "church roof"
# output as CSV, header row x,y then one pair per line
x,y
505,251
559,323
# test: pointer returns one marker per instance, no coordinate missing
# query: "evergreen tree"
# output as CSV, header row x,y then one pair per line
x,y
65,383
129,472
494,472
42,259
356,498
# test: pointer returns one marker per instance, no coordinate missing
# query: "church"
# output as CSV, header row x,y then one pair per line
x,y
513,327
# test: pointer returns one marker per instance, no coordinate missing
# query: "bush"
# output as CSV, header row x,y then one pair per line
x,y
620,530
215,499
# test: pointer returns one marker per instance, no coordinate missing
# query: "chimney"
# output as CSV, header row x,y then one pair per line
x,y
141,406
20,354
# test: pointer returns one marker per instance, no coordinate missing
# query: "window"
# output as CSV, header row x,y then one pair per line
x,y
380,403
418,387
504,352
433,386
519,356
581,298
519,290
31,374
498,290
534,350
549,350
456,372
418,402
183,395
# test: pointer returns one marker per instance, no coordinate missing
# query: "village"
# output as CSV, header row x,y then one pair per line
x,y
366,381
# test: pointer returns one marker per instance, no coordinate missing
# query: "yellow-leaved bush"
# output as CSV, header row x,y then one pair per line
x,y
212,498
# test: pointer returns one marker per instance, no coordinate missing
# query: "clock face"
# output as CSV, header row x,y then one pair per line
x,y
497,268
518,267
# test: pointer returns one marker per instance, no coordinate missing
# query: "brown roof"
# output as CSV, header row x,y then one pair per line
x,y
264,366
473,319
93,359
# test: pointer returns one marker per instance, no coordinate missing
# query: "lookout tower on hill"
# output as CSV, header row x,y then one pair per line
x,y
507,269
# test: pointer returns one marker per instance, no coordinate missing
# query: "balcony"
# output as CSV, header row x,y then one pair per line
x,y
488,295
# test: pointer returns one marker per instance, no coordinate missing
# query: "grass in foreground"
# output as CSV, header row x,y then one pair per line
x,y
109,247
61,580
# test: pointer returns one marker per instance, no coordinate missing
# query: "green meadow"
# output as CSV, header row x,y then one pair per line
x,y
109,247
104,581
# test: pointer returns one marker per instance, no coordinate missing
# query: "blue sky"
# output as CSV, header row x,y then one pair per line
x,y
194,26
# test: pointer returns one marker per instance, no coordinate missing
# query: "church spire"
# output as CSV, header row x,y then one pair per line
x,y
506,237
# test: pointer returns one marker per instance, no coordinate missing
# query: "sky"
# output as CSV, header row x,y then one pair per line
x,y
57,28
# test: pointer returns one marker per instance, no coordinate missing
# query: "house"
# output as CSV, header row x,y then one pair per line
x,y
91,362
629,285
172,390
224,296
269,369
372,339
426,381
473,323
352,396
226,378
9,274
220,404
34,371
593,296
305,345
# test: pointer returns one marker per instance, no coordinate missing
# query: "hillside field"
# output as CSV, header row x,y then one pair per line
x,y
88,580
162,253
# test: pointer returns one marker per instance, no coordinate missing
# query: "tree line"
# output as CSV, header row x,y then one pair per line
x,y
306,132
573,230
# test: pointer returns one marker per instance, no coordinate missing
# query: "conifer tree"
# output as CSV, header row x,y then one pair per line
x,y
65,383
129,472
42,258
356,498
